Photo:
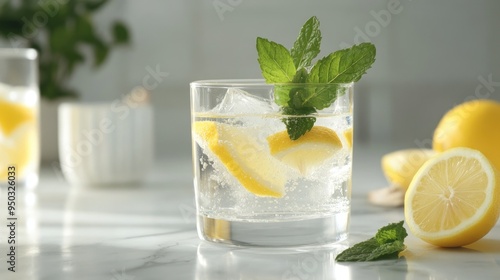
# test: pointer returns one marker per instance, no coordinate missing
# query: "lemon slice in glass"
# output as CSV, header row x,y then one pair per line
x,y
311,149
241,154
348,135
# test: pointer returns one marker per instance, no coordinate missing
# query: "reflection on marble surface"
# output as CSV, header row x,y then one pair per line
x,y
214,262
148,231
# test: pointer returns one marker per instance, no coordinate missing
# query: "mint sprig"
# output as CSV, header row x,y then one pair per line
x,y
288,71
306,47
275,62
387,244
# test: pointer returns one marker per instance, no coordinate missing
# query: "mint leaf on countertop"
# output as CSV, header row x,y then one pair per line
x,y
391,232
275,62
387,244
307,45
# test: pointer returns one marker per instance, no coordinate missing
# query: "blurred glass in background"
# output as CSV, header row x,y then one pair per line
x,y
19,103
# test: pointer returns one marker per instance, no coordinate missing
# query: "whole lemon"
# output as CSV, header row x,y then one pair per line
x,y
474,124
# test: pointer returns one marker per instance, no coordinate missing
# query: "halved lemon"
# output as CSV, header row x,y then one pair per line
x,y
399,167
12,115
311,149
242,155
454,199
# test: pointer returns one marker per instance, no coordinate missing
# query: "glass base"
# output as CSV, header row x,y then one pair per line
x,y
310,232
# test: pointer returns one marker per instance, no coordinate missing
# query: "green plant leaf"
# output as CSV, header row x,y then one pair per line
x,y
387,244
300,125
283,92
84,29
391,232
10,26
58,39
275,62
73,58
307,45
93,5
120,33
344,66
101,51
288,70
301,76
320,97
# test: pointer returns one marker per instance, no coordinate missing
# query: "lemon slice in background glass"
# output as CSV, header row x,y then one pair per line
x,y
12,115
18,137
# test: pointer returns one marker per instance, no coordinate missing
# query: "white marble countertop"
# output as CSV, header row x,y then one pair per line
x,y
147,231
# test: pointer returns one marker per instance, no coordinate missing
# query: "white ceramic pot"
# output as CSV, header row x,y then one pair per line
x,y
107,143
48,128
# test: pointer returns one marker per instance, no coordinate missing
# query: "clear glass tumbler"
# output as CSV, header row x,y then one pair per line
x,y
19,117
256,186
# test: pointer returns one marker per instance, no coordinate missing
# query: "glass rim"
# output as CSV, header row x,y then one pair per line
x,y
223,83
27,53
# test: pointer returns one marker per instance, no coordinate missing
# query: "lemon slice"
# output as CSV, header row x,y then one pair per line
x,y
12,115
243,157
348,136
454,199
19,149
311,149
399,167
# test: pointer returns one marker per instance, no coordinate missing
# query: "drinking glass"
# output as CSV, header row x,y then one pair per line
x,y
254,185
19,117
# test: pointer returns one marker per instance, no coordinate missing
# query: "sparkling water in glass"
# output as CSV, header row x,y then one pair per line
x,y
247,193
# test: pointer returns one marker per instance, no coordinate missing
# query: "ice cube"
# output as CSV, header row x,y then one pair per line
x,y
21,95
237,101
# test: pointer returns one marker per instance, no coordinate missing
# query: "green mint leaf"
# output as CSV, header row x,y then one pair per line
x,y
300,76
387,244
391,232
358,252
282,93
387,251
344,66
296,97
298,126
275,62
321,97
307,45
